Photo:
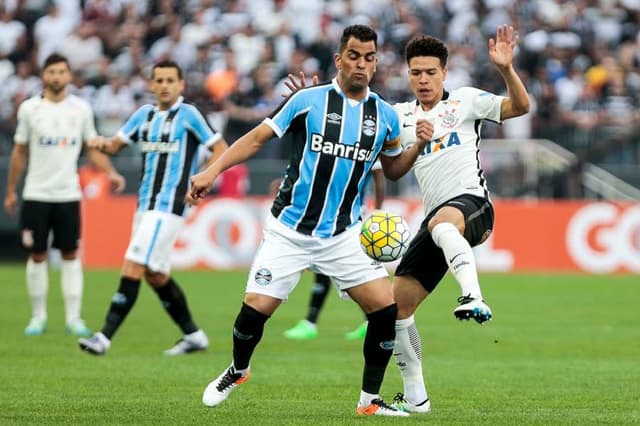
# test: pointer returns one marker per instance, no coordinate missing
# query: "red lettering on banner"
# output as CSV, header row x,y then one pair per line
x,y
223,233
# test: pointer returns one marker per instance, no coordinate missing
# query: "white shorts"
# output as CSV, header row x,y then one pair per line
x,y
152,239
285,253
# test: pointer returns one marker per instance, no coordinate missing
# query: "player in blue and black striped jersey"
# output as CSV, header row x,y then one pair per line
x,y
338,130
169,134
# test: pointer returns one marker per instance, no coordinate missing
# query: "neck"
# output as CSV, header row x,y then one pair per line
x,y
351,92
54,97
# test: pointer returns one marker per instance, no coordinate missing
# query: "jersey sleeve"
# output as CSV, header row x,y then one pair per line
x,y
21,137
280,119
89,125
486,105
128,133
200,127
391,146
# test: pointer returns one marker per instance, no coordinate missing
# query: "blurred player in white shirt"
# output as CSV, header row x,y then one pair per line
x,y
51,130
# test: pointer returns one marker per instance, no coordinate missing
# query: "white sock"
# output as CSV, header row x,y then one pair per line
x,y
366,398
459,257
71,280
408,354
37,285
242,372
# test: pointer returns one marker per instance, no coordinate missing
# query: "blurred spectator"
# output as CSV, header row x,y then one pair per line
x,y
51,30
581,58
112,104
84,50
14,35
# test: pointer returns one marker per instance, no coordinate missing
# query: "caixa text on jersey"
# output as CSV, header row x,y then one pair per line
x,y
353,152
161,147
58,141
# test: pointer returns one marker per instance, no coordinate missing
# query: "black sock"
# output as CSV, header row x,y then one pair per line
x,y
121,304
175,303
378,347
318,296
247,332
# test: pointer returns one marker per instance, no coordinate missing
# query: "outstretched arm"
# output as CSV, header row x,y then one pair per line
x,y
240,151
102,162
501,54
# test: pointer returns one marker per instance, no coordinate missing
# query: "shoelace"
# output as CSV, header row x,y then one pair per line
x,y
380,403
228,379
464,299
399,398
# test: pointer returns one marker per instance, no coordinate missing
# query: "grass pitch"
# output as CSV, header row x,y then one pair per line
x,y
562,349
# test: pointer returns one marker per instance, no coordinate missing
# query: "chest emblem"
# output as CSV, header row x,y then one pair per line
x,y
448,119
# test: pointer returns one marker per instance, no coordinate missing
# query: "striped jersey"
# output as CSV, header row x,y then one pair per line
x,y
335,143
449,165
169,143
54,133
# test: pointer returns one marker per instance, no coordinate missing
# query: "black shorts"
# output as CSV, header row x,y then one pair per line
x,y
37,218
425,261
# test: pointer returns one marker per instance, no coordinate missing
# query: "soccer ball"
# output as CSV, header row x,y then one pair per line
x,y
384,236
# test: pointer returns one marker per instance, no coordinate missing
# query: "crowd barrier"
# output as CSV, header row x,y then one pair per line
x,y
531,236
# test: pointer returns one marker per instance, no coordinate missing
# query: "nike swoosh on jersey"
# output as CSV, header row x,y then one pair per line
x,y
454,257
408,125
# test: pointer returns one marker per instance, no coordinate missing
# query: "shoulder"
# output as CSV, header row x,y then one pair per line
x,y
30,103
468,92
311,92
382,104
78,102
404,107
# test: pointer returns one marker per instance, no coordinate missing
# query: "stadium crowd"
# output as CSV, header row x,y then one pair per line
x,y
580,60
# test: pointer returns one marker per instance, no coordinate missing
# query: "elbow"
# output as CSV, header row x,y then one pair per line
x,y
523,107
392,175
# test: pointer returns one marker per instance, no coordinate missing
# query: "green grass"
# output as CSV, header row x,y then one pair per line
x,y
562,349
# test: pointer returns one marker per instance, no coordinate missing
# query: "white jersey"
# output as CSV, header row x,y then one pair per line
x,y
449,166
55,132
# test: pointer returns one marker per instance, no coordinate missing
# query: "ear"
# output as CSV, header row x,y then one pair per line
x,y
337,60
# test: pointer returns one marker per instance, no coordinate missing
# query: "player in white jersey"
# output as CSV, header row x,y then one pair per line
x,y
52,128
459,214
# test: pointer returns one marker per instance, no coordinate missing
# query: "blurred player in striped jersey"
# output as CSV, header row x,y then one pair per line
x,y
169,134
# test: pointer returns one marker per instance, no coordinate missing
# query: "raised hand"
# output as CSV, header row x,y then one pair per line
x,y
294,84
501,49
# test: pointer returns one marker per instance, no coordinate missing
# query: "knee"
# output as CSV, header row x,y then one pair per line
x,y
38,257
384,316
69,255
249,321
405,310
156,279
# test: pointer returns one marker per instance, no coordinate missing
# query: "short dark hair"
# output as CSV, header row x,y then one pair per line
x,y
360,32
167,64
425,45
55,58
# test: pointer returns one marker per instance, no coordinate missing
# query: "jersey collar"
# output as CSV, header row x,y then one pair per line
x,y
175,106
445,96
336,86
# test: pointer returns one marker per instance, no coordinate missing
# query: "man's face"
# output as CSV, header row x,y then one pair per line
x,y
166,86
55,77
357,63
426,78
